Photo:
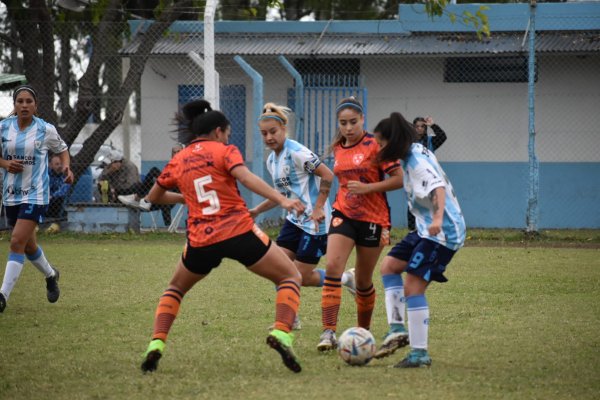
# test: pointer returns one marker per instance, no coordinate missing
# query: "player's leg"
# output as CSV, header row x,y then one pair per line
x,y
366,260
395,302
184,278
276,266
35,254
23,229
339,247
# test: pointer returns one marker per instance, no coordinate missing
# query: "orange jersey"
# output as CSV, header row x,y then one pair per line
x,y
357,163
202,172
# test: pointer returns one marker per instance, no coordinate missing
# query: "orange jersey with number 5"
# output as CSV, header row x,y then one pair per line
x,y
357,163
202,172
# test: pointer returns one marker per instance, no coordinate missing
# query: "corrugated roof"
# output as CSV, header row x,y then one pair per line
x,y
11,79
370,44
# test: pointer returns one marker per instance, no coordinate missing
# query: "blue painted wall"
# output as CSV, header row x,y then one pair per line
x,y
494,194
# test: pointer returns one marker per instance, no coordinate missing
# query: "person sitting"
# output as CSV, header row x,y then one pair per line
x,y
58,188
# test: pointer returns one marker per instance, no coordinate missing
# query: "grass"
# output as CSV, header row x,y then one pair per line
x,y
512,322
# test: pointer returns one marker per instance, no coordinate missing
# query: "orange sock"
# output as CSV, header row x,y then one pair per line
x,y
286,305
331,298
166,312
365,303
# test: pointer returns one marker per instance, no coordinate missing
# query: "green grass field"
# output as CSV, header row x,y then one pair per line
x,y
514,322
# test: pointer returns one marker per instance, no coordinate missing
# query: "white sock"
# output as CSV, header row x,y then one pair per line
x,y
38,259
14,266
395,303
418,321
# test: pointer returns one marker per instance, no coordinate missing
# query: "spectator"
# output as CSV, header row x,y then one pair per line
x,y
58,188
431,143
121,175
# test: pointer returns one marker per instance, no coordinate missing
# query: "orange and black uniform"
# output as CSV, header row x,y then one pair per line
x,y
365,218
219,225
202,172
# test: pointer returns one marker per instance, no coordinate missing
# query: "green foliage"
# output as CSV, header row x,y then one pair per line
x,y
512,323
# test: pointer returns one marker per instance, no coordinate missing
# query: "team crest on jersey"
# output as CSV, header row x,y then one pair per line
x,y
337,221
358,158
286,169
197,147
37,144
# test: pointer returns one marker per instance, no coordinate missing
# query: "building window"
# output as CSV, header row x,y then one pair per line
x,y
486,69
329,72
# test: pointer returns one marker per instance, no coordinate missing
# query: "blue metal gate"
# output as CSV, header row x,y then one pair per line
x,y
322,93
233,104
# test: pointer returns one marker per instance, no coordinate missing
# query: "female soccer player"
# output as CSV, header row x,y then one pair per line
x,y
219,225
361,217
298,174
26,140
424,254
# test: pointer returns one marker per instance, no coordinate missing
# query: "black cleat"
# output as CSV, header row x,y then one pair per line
x,y
2,302
52,287
150,364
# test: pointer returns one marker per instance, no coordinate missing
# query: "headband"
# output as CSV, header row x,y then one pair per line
x,y
20,89
273,117
353,105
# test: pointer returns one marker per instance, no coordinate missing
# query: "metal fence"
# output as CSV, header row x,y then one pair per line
x,y
477,92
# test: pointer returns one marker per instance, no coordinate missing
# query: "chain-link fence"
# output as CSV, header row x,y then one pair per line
x,y
476,92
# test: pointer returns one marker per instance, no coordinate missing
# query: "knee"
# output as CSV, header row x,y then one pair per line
x,y
17,245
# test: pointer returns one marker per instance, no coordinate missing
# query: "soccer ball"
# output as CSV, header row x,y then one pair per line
x,y
356,346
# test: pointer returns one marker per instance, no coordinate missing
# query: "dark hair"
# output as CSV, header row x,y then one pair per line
x,y
348,102
399,135
418,119
27,88
199,119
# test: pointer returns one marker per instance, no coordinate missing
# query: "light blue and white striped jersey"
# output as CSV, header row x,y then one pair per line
x,y
293,175
422,174
30,145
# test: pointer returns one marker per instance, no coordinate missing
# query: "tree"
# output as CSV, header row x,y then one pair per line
x,y
35,26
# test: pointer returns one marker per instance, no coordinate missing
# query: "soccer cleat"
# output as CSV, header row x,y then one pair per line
x,y
152,355
144,205
327,341
129,200
52,289
2,302
351,282
282,342
415,359
392,342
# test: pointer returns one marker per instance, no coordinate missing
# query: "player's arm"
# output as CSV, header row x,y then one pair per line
x,y
65,160
160,195
392,182
438,203
318,213
260,187
262,207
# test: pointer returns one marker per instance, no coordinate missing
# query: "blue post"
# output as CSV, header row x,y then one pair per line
x,y
534,173
257,143
299,98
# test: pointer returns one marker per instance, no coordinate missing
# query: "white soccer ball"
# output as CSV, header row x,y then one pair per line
x,y
356,346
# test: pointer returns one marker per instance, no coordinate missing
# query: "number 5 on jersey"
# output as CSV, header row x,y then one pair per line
x,y
204,195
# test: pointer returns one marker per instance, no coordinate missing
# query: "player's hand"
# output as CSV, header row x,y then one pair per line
x,y
69,178
293,205
357,187
429,121
435,228
317,216
253,213
15,166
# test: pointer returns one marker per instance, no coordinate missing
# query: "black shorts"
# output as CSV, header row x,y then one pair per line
x,y
33,212
308,248
366,234
246,248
